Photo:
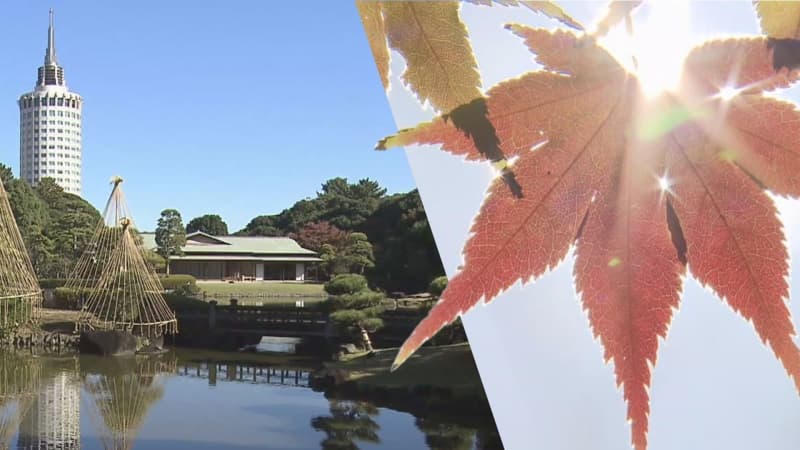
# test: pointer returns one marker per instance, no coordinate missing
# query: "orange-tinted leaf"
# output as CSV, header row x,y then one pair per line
x,y
643,188
735,241
372,19
739,64
628,274
763,141
527,110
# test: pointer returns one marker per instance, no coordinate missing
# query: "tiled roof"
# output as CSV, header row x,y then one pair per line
x,y
201,243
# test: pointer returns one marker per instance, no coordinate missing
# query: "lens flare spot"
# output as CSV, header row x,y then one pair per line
x,y
727,155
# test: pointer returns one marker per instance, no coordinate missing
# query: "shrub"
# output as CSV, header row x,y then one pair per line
x,y
68,298
173,282
348,283
437,286
350,321
52,283
359,300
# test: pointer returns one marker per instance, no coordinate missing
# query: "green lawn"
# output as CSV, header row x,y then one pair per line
x,y
243,290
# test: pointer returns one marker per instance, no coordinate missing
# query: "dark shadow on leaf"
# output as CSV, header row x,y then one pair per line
x,y
473,120
676,232
786,53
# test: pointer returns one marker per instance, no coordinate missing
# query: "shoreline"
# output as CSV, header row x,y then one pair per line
x,y
435,381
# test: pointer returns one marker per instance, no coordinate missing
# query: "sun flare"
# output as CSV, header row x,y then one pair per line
x,y
658,45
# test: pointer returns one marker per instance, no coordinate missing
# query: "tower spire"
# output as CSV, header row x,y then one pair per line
x,y
50,56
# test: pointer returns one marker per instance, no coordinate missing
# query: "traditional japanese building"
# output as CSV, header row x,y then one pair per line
x,y
240,258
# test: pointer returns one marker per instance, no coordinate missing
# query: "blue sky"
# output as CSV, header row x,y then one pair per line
x,y
208,108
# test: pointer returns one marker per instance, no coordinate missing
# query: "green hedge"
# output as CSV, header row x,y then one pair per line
x,y
52,283
67,298
170,282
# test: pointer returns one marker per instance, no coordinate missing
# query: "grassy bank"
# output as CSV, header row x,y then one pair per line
x,y
449,367
261,289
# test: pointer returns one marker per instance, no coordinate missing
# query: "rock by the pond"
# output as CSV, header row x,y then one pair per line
x,y
108,343
151,346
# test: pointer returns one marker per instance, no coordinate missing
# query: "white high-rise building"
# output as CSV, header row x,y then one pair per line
x,y
50,126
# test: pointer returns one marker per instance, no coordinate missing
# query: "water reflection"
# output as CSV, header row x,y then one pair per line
x,y
192,401
348,423
441,436
19,382
52,418
122,391
215,372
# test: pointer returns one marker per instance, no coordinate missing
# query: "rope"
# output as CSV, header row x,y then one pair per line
x,y
124,293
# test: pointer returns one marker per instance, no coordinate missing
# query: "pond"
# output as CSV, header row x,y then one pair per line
x,y
201,400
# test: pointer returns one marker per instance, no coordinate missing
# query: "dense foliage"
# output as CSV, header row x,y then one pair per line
x,y
356,308
346,284
355,227
56,226
170,234
403,251
210,224
406,257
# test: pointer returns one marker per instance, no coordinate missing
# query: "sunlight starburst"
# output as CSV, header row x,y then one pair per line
x,y
658,45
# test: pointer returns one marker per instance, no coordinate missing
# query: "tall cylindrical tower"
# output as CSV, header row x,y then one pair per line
x,y
50,126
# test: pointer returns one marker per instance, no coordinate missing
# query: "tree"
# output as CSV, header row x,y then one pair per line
x,y
357,309
331,263
32,217
356,253
6,174
339,203
154,260
170,235
347,205
210,224
49,191
406,257
316,234
261,226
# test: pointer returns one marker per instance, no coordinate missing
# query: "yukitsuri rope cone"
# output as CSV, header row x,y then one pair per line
x,y
20,294
122,395
121,291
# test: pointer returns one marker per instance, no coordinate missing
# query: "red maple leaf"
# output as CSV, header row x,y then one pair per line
x,y
643,188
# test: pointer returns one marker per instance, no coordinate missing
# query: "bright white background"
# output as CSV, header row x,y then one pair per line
x,y
715,386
